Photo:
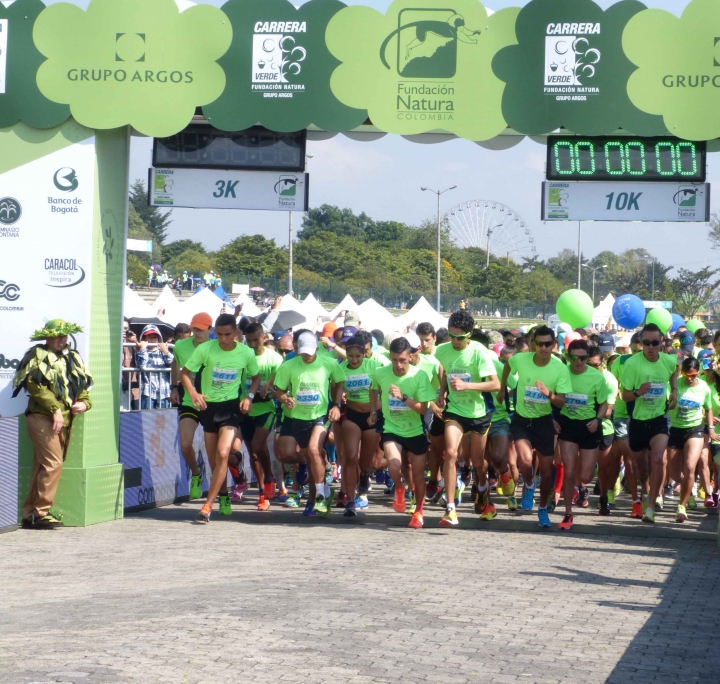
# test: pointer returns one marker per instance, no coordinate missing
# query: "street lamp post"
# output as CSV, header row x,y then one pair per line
x,y
438,193
593,279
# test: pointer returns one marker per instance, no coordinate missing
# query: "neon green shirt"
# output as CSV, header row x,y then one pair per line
x,y
589,389
612,388
223,371
431,366
714,404
637,371
691,402
501,410
530,402
358,380
472,364
621,410
268,363
309,384
183,350
399,418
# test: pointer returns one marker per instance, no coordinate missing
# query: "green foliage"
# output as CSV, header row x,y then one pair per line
x,y
254,255
156,220
191,260
137,269
694,290
174,249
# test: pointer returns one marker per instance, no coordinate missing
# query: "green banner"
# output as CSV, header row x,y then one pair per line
x,y
132,62
424,65
278,69
20,99
679,67
569,69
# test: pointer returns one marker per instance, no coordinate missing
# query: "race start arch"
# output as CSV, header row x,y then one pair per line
x,y
75,83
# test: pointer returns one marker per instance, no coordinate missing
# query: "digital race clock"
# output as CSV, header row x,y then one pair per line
x,y
204,147
577,158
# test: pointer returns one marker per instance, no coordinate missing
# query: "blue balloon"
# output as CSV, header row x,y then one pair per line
x,y
628,311
677,321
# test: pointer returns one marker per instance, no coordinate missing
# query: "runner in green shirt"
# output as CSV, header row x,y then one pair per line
x,y
580,423
543,381
713,380
405,392
188,415
687,431
469,371
257,425
304,385
646,379
223,361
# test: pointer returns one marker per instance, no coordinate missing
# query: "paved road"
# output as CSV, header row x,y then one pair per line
x,y
277,598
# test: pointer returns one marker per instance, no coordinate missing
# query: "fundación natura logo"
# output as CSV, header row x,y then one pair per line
x,y
570,59
10,211
277,58
65,179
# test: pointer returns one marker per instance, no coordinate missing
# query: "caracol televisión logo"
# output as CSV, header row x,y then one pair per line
x,y
63,272
65,179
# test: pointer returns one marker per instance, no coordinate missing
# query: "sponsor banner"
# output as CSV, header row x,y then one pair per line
x,y
620,201
224,189
8,473
155,471
46,218
657,304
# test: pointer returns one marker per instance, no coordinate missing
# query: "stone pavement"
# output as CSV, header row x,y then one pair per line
x,y
275,597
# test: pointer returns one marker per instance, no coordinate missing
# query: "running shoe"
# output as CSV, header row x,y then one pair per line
x,y
225,506
361,502
668,491
681,514
204,515
437,497
412,505
512,503
611,497
293,500
710,503
551,505
416,522
334,472
482,499
649,515
508,484
430,491
637,510
328,474
342,500
270,491
350,511
289,478
321,505
48,522
301,474
566,523
528,500
449,519
701,492
195,487
379,476
617,489
399,500
282,497
364,483
576,496
489,512
692,504
389,487
584,498
459,489
309,510
659,503
492,483
27,523
604,508
543,517
263,504
465,475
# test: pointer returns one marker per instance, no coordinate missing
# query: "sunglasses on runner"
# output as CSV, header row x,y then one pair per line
x,y
690,375
575,357
595,365
459,337
651,343
544,344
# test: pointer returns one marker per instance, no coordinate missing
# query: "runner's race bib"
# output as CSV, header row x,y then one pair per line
x,y
687,406
465,377
397,404
576,402
356,383
224,375
655,393
308,397
534,396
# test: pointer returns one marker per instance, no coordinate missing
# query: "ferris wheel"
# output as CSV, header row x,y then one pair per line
x,y
493,227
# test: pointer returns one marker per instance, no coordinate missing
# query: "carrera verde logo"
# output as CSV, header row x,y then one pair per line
x,y
137,62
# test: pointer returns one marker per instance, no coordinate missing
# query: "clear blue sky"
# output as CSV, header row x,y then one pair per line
x,y
383,178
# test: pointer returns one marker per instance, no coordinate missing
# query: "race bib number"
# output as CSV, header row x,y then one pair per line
x,y
465,377
576,402
534,396
224,375
655,393
248,385
397,404
308,397
355,383
687,406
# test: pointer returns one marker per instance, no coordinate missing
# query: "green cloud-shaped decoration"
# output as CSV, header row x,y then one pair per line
x,y
679,67
278,69
424,65
21,99
571,49
136,62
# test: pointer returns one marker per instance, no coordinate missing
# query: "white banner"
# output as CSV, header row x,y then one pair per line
x,y
3,53
223,189
625,201
46,219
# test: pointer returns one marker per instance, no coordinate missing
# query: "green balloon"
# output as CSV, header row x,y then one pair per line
x,y
662,318
693,325
575,308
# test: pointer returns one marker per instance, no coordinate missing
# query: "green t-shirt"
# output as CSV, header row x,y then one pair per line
x,y
223,371
637,371
621,410
691,401
501,410
589,389
431,366
715,404
472,364
183,350
529,401
612,388
399,418
383,352
382,360
268,363
309,385
358,380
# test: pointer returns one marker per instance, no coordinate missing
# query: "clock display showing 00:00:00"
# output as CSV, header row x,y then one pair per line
x,y
637,159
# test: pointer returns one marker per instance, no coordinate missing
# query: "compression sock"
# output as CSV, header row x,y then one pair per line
x,y
331,452
559,477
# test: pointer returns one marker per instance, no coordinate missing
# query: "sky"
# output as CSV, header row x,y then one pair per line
x,y
383,178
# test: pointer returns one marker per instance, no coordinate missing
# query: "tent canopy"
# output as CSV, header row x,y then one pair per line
x,y
312,308
134,306
348,303
249,308
204,301
422,312
375,316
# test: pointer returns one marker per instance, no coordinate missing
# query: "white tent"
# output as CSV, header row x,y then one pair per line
x,y
375,316
170,303
204,301
422,312
602,315
135,306
249,308
312,308
348,303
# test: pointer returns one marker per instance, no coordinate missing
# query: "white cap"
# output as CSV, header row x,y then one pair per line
x,y
413,339
307,343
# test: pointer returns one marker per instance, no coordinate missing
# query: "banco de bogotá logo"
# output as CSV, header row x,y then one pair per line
x,y
426,42
10,211
277,58
129,47
9,291
569,58
6,364
65,179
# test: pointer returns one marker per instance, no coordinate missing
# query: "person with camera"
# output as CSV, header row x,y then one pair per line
x,y
129,381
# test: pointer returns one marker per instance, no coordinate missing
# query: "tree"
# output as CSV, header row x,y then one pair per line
x,y
254,255
191,260
714,235
138,263
694,290
137,269
154,218
564,267
176,248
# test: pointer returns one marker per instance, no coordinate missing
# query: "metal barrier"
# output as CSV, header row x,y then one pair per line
x,y
143,376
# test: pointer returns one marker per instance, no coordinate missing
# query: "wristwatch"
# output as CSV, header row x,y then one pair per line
x,y
251,395
405,397
636,392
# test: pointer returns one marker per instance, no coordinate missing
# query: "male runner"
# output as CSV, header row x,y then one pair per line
x,y
542,383
466,365
223,361
645,380
188,415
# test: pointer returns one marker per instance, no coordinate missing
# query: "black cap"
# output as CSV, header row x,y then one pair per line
x,y
606,342
687,341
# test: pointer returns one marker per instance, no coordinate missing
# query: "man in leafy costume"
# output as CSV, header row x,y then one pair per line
x,y
57,381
